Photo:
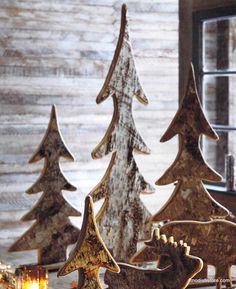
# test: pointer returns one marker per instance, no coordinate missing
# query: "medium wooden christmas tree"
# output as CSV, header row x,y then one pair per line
x,y
190,200
90,253
52,232
123,218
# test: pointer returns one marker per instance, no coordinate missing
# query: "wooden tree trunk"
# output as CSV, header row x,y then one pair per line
x,y
124,219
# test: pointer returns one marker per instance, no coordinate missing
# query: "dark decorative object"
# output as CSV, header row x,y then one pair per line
x,y
229,172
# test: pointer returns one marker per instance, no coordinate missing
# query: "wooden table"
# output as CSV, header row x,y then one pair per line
x,y
28,257
11,228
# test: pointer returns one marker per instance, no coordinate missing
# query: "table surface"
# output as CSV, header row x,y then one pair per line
x,y
64,282
29,257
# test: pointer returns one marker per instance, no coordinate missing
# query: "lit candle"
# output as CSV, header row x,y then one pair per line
x,y
31,277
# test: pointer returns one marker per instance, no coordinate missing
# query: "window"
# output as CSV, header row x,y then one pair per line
x,y
214,58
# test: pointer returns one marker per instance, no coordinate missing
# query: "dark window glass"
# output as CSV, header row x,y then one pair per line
x,y
215,60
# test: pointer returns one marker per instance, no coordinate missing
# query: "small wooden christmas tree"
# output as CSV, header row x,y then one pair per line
x,y
190,200
123,218
52,232
90,253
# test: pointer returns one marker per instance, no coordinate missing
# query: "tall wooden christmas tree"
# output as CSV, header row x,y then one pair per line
x,y
123,218
190,200
90,253
52,232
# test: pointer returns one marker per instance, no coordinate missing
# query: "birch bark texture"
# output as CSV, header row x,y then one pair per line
x,y
123,219
52,232
89,254
213,241
190,200
177,275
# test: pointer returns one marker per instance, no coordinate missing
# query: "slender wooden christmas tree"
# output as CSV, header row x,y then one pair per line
x,y
123,218
52,232
90,253
190,200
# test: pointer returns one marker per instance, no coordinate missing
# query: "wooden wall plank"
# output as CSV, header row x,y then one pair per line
x,y
59,52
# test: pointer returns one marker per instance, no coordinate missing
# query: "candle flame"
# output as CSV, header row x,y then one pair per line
x,y
35,285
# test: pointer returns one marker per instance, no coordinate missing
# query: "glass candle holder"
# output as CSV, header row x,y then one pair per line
x,y
31,277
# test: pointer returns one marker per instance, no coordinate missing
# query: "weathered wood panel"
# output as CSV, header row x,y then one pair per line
x,y
59,52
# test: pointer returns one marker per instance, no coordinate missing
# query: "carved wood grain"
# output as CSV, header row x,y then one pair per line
x,y
213,241
176,275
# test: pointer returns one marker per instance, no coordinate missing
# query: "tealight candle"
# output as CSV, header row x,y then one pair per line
x,y
31,277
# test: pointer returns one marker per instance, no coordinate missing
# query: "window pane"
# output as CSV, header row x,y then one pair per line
x,y
215,151
219,44
219,99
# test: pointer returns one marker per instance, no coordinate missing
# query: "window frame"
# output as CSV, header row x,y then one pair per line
x,y
198,18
